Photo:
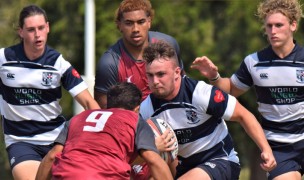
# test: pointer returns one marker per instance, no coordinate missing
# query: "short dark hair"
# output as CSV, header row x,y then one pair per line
x,y
124,95
159,49
30,10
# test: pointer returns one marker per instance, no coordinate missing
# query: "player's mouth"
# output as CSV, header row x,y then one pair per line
x,y
136,38
38,43
274,38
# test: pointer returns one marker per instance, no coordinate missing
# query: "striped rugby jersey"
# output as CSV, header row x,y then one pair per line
x,y
197,116
279,85
30,94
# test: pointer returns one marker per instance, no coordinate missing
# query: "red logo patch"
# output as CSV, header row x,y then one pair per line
x,y
75,73
219,97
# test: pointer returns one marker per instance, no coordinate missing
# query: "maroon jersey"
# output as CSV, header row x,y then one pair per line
x,y
117,65
101,144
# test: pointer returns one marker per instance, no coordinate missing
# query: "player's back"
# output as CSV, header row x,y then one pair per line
x,y
100,143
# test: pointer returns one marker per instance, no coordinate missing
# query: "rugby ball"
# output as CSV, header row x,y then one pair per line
x,y
159,126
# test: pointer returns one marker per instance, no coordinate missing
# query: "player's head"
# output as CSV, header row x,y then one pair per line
x,y
33,29
133,19
280,20
162,70
289,8
124,95
31,10
134,5
160,50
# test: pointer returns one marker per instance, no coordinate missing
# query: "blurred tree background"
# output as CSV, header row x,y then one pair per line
x,y
224,30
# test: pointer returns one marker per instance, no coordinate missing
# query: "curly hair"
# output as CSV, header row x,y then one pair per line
x,y
289,8
133,5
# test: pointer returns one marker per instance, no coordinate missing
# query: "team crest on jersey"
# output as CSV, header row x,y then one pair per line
x,y
300,76
191,116
47,78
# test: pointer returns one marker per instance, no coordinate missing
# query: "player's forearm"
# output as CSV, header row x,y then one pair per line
x,y
255,131
223,84
158,167
45,168
160,171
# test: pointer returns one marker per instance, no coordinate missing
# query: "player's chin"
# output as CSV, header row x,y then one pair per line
x,y
159,95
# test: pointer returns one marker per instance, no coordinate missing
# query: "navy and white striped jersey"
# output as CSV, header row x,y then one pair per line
x,y
30,94
279,85
197,116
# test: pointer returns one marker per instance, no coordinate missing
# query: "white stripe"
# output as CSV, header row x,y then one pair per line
x,y
204,143
230,107
44,112
78,89
62,65
282,113
283,137
41,139
28,78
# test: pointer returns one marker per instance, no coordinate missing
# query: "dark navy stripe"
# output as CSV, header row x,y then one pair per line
x,y
287,147
30,128
244,75
217,103
16,53
69,80
187,135
277,63
29,96
28,65
267,55
280,95
219,150
184,95
291,127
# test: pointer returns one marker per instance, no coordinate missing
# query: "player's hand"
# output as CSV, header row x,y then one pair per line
x,y
165,141
205,67
269,162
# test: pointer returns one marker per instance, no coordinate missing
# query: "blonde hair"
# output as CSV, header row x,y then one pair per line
x,y
289,8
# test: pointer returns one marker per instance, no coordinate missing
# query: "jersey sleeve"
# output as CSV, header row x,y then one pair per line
x,y
144,138
61,138
214,101
242,78
106,72
71,79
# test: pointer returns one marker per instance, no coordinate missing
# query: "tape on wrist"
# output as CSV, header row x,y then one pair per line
x,y
216,78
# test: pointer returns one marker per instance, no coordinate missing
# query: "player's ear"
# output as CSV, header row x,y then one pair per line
x,y
177,72
136,109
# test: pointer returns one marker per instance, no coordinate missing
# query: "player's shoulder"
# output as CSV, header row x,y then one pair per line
x,y
11,52
113,52
155,35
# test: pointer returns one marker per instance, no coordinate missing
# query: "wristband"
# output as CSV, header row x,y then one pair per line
x,y
216,78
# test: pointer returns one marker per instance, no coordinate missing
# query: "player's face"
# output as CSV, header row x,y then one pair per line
x,y
34,33
134,27
163,78
279,30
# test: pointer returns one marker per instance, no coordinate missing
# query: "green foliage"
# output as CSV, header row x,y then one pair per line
x,y
224,30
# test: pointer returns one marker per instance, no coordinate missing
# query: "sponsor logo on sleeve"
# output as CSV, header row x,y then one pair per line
x,y
75,73
218,97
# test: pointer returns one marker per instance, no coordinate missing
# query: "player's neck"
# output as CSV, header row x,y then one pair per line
x,y
32,54
136,51
284,50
